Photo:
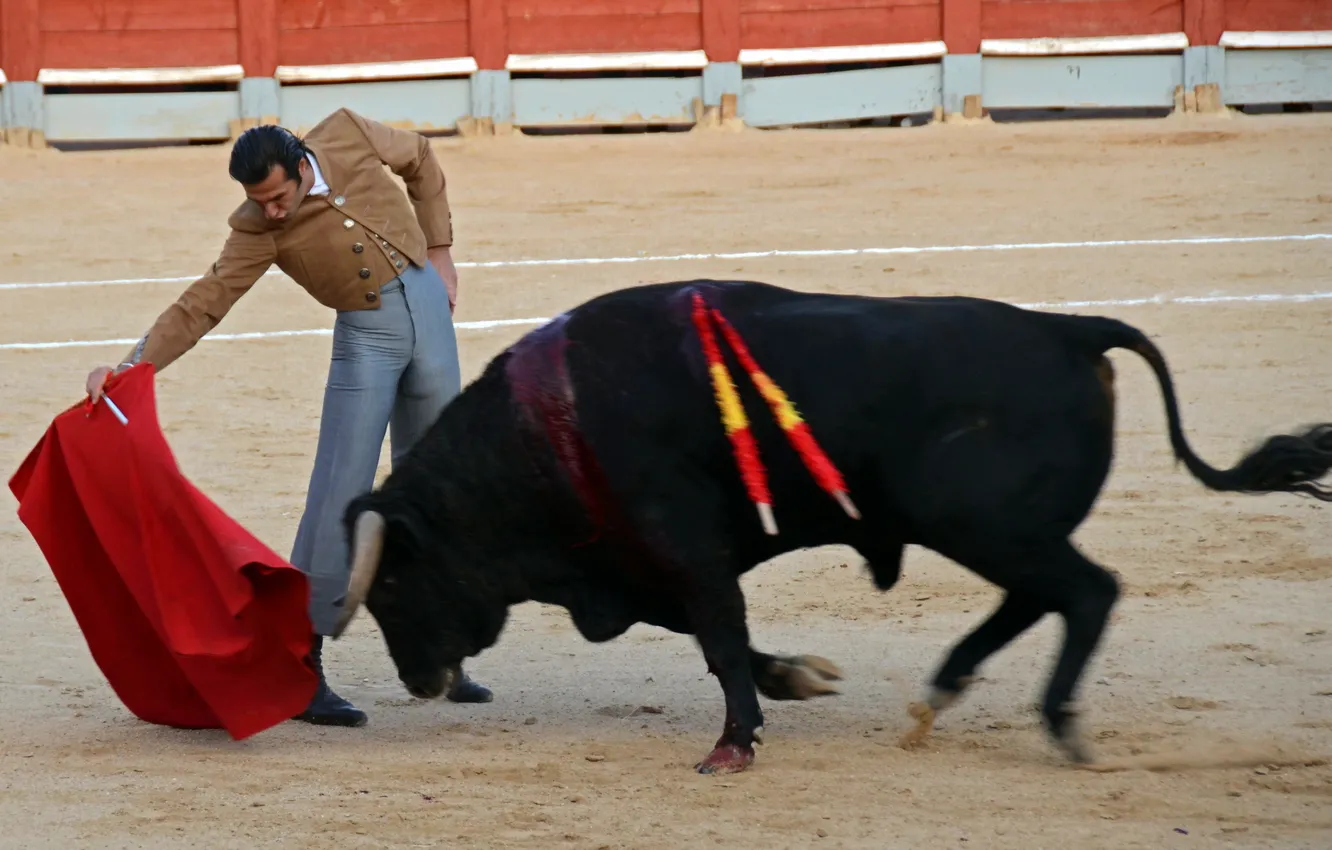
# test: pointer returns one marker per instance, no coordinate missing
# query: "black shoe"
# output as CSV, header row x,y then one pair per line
x,y
327,708
468,690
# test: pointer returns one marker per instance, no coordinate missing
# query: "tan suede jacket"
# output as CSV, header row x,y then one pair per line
x,y
340,247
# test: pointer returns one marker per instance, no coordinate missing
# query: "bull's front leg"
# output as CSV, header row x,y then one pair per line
x,y
723,638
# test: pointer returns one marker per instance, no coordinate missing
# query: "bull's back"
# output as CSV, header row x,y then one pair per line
x,y
842,359
882,382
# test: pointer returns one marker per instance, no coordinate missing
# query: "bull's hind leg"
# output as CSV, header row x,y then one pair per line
x,y
1057,579
1015,615
1083,593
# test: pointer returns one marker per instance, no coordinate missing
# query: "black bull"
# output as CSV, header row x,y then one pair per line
x,y
587,467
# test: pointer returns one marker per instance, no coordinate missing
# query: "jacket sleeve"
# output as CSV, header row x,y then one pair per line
x,y
410,157
244,259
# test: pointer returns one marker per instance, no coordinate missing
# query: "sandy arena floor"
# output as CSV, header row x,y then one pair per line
x,y
1218,664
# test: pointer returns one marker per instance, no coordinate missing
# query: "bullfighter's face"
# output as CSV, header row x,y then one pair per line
x,y
394,582
280,194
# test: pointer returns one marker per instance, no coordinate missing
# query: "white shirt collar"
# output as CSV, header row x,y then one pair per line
x,y
319,187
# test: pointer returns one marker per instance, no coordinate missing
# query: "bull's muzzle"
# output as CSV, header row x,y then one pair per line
x,y
434,686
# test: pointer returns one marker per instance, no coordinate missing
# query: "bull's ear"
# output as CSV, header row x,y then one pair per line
x,y
357,506
405,532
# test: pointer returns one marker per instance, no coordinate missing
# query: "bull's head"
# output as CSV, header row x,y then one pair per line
x,y
399,580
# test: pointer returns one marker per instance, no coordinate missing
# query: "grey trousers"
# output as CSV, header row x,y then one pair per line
x,y
393,369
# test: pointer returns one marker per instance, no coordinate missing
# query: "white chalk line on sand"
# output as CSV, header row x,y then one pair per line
x,y
1258,298
758,255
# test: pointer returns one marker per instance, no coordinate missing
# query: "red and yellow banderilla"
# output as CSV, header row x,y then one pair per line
x,y
737,424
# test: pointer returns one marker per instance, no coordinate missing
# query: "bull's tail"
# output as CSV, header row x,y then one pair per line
x,y
736,423
1284,463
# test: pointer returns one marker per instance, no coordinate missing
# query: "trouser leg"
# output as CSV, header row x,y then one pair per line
x,y
431,380
371,349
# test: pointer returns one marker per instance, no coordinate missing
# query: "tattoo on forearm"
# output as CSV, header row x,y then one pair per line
x,y
136,356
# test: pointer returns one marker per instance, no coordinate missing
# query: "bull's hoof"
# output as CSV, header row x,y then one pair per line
x,y
1064,731
799,677
1079,754
821,666
927,712
924,715
727,758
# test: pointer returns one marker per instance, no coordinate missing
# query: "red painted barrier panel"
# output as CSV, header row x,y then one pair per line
x,y
1260,15
331,32
1079,18
136,33
835,23
261,34
603,26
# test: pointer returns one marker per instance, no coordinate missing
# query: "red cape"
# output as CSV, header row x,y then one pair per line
x,y
192,620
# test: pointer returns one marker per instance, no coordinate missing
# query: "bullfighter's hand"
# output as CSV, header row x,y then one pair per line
x,y
442,260
96,380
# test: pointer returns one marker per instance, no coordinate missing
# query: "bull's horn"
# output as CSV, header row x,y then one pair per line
x,y
367,544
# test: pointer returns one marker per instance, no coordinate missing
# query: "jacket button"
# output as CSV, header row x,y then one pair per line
x,y
371,297
358,247
364,273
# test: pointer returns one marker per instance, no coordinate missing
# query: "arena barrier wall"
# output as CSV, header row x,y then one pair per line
x,y
150,70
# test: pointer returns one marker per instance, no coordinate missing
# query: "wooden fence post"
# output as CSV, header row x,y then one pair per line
x,y
962,78
21,39
22,112
1204,60
492,92
721,29
961,26
1204,21
487,33
257,42
723,77
257,31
